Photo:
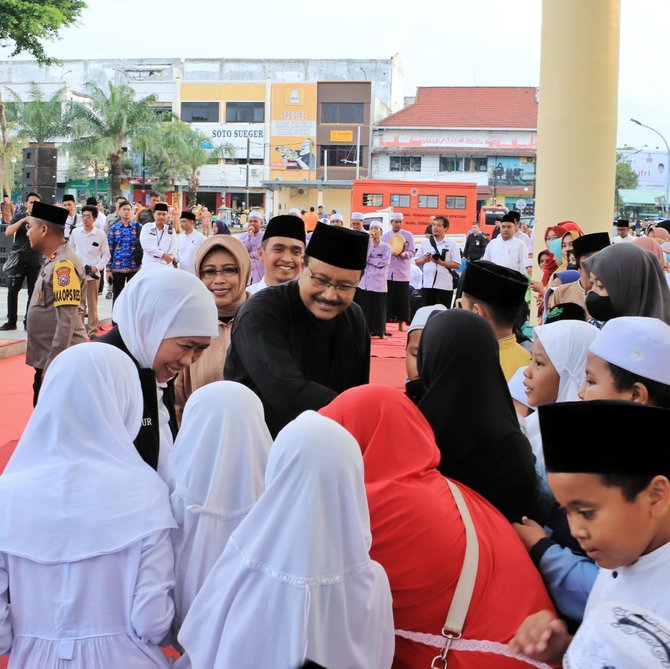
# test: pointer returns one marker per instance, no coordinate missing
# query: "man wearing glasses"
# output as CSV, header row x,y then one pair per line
x,y
299,344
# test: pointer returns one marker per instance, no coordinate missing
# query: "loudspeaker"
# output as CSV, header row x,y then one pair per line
x,y
39,171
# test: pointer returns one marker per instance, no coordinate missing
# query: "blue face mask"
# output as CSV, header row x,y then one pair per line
x,y
555,247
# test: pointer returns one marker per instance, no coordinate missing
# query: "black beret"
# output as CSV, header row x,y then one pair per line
x,y
50,213
68,198
285,226
339,246
161,206
493,283
187,214
595,241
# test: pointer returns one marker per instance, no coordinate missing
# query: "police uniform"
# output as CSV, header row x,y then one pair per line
x,y
54,319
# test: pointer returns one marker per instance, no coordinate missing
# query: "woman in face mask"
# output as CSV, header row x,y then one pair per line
x,y
627,281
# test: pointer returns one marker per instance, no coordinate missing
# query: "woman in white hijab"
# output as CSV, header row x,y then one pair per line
x,y
217,472
556,372
295,581
85,545
165,320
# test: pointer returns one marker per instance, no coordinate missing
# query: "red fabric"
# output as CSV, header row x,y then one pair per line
x,y
548,266
558,230
419,538
571,226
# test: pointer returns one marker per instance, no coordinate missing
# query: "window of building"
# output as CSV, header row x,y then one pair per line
x,y
373,200
455,202
341,112
245,112
200,112
339,155
460,164
428,201
162,109
405,163
400,201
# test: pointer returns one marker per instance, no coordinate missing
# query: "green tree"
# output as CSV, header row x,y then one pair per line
x,y
25,24
11,145
626,178
39,119
107,123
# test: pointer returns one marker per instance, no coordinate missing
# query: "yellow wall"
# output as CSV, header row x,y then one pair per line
x,y
287,197
205,92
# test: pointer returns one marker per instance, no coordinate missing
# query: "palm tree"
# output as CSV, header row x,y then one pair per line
x,y
40,119
11,145
178,152
107,123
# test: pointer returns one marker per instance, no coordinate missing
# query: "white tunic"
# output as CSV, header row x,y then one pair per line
x,y
156,242
510,253
641,584
187,248
106,611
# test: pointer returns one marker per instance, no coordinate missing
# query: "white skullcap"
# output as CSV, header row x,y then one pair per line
x,y
376,224
397,216
254,213
324,220
357,216
336,217
421,317
294,212
516,388
637,344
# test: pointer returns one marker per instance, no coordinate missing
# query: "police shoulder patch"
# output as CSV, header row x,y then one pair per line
x,y
66,284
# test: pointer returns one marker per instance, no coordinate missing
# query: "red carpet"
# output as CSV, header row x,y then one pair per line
x,y
387,367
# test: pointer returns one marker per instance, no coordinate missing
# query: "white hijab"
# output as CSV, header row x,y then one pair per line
x,y
160,304
217,472
295,580
567,345
75,486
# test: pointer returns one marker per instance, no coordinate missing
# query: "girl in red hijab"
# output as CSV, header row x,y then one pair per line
x,y
419,538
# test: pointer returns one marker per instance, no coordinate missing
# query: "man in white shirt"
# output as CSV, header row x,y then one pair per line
x,y
90,244
73,220
158,239
506,250
437,256
282,252
623,230
101,221
189,242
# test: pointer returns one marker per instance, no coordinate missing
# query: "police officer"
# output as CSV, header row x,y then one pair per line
x,y
54,319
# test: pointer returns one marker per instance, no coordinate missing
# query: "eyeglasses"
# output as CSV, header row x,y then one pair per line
x,y
318,282
211,273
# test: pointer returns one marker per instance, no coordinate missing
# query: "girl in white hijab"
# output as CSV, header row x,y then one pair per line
x,y
295,581
84,532
556,372
165,320
217,472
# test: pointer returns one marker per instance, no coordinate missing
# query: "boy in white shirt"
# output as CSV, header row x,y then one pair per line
x,y
614,483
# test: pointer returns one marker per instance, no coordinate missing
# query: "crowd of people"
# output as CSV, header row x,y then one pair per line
x,y
217,473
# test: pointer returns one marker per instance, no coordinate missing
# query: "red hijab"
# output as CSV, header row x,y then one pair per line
x,y
419,538
558,230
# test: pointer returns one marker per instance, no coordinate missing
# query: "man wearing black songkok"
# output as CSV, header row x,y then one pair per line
x,y
297,345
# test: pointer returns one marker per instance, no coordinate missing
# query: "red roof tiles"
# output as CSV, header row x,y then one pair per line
x,y
468,107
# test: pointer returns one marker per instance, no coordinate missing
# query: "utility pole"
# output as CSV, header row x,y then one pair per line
x,y
358,152
247,181
325,165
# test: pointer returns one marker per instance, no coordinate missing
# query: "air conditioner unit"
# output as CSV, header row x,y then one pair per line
x,y
301,191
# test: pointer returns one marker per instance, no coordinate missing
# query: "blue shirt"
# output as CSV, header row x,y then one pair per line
x,y
123,242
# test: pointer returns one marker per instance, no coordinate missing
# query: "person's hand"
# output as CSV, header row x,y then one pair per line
x,y
109,275
167,258
537,287
529,532
542,637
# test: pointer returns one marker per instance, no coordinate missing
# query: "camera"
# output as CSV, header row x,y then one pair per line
x,y
91,271
440,256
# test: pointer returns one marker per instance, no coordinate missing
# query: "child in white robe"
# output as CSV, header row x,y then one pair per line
x,y
85,545
217,473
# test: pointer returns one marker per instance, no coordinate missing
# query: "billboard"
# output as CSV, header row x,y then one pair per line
x,y
293,130
651,167
511,171
235,134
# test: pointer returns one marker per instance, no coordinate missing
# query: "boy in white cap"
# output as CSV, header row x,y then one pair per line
x,y
336,219
357,221
402,251
629,361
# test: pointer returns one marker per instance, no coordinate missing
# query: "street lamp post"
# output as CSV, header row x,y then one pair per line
x,y
667,170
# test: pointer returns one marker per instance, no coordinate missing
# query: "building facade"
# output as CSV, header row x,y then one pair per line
x,y
482,135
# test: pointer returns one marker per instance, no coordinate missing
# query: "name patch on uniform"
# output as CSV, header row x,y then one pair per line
x,y
67,285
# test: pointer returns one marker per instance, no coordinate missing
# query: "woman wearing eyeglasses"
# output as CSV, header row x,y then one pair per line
x,y
223,265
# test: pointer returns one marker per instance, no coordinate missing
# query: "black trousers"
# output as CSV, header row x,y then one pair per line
x,y
432,296
374,310
397,308
37,384
119,280
14,288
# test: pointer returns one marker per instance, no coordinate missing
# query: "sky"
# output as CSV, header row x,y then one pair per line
x,y
441,43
